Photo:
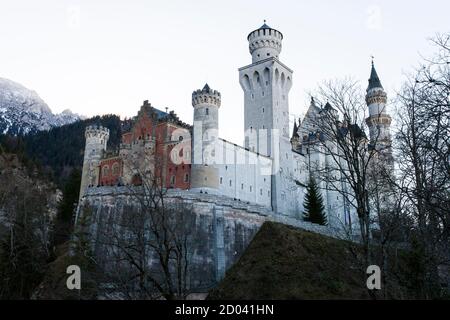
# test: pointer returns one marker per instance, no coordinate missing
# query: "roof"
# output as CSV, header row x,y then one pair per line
x,y
374,80
206,88
329,107
295,133
263,27
355,130
160,114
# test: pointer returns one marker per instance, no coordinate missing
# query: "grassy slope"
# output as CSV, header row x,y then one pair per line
x,y
283,262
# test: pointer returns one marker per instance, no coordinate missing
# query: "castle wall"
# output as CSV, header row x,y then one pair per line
x,y
244,175
223,227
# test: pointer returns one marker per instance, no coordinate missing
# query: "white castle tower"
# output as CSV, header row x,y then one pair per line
x,y
266,84
96,141
205,173
379,121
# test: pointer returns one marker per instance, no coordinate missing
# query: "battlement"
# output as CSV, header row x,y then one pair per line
x,y
95,131
206,96
376,95
264,43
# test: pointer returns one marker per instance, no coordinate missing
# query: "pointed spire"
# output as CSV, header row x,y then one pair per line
x,y
265,26
374,81
206,88
294,133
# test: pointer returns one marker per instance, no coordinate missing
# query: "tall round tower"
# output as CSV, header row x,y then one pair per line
x,y
96,141
264,42
379,121
205,174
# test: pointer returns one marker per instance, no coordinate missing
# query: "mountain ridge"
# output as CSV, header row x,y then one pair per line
x,y
23,111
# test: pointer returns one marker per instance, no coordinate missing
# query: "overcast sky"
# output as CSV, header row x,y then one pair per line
x,y
96,57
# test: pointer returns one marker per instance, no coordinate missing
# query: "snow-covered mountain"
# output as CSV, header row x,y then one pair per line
x,y
23,111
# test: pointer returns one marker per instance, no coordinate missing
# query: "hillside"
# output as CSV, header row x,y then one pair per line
x,y
28,205
283,262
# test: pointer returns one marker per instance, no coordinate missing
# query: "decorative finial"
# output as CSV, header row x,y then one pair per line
x,y
372,59
264,21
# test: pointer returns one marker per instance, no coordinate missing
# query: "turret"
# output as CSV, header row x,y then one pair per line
x,y
205,174
295,139
379,121
266,84
264,42
96,142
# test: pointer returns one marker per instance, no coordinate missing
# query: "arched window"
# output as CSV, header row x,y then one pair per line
x,y
105,171
115,169
207,111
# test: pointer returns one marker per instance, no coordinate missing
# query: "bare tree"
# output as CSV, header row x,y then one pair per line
x,y
424,161
345,144
359,169
24,211
148,240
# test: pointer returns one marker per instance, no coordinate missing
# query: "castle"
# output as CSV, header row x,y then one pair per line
x,y
271,169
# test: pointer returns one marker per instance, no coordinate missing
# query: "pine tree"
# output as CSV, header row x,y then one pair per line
x,y
314,209
66,208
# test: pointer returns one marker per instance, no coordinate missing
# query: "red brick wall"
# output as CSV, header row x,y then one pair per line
x,y
173,175
110,171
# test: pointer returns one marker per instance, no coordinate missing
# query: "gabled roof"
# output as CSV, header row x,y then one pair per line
x,y
328,106
354,129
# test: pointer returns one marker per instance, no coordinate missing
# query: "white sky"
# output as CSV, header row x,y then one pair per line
x,y
100,56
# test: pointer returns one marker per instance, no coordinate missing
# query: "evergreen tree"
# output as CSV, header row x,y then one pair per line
x,y
314,209
66,208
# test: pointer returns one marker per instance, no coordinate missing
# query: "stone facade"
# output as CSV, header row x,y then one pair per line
x,y
223,227
271,169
